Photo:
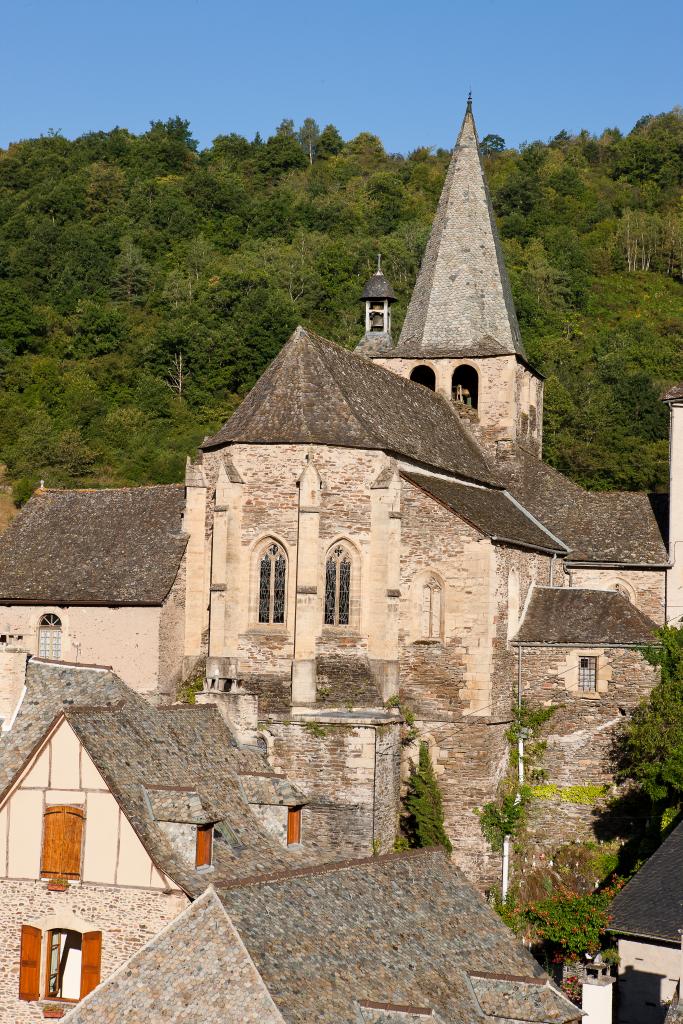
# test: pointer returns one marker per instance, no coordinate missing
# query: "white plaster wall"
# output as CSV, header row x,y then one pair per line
x,y
125,638
63,773
648,975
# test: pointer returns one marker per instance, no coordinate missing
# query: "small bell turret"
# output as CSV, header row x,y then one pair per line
x,y
378,296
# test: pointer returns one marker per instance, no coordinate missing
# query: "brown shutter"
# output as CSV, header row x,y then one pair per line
x,y
204,845
91,957
293,825
62,841
29,964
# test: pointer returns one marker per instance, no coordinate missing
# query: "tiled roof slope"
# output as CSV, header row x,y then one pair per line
x,y
115,547
462,302
673,394
195,970
651,903
613,526
51,688
316,392
176,749
377,287
400,929
492,512
573,615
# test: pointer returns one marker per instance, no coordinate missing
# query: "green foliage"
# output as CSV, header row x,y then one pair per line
x,y
315,729
649,749
528,720
571,923
588,795
190,688
424,822
501,818
121,252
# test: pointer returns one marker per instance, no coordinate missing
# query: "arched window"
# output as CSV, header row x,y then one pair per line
x,y
431,610
338,587
50,637
465,386
424,375
272,584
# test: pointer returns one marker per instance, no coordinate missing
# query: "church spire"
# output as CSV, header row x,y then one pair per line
x,y
462,303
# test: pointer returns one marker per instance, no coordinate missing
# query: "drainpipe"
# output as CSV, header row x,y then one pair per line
x,y
506,866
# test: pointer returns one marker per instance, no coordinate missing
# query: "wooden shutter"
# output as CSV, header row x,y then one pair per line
x,y
91,958
62,841
29,964
293,825
204,845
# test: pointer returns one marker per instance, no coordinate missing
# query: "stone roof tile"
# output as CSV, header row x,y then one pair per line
x,y
573,615
651,903
316,392
118,546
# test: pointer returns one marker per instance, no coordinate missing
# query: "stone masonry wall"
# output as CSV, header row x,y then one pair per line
x,y
172,638
126,917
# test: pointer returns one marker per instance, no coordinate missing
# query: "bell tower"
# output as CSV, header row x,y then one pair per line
x,y
378,296
460,336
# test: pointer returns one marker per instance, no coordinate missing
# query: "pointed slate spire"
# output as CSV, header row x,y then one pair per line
x,y
462,303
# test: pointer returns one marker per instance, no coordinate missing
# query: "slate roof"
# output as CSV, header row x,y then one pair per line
x,y
573,615
377,287
492,512
121,546
180,751
315,392
186,974
462,302
673,394
619,527
402,929
50,688
651,903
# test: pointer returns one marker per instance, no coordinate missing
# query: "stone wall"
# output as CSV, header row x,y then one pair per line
x,y
172,637
350,775
127,918
646,588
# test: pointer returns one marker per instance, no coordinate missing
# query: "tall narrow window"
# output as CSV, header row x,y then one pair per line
x,y
204,853
338,587
293,825
50,637
272,583
465,386
64,963
431,610
424,375
62,842
588,674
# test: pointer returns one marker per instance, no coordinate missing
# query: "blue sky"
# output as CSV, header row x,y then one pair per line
x,y
400,69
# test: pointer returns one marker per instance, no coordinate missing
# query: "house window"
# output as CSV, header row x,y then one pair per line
x,y
588,674
72,963
293,825
50,637
272,582
204,851
431,610
338,587
62,841
424,375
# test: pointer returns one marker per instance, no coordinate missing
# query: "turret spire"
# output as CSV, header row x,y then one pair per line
x,y
462,303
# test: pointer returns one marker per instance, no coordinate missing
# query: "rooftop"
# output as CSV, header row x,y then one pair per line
x,y
573,615
651,903
119,546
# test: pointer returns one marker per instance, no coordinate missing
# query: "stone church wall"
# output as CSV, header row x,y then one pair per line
x,y
127,918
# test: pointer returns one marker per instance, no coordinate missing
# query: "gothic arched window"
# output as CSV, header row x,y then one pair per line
x,y
431,610
465,386
424,375
338,587
50,637
272,585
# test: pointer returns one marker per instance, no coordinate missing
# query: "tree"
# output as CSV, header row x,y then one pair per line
x,y
425,823
492,144
649,749
330,142
308,136
130,272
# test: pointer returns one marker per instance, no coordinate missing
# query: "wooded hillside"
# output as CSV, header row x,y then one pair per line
x,y
145,285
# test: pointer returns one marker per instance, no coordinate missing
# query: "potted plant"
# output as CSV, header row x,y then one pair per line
x,y
54,1011
57,884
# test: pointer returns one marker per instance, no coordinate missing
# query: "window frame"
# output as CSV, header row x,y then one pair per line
x,y
294,817
340,553
50,636
203,857
589,673
259,552
431,585
70,813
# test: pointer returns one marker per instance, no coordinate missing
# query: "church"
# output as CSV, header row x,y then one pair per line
x,y
373,539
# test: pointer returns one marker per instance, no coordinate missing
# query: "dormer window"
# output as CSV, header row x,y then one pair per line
x,y
50,637
204,848
293,826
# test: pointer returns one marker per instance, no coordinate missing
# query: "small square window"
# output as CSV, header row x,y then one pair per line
x,y
588,674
